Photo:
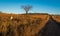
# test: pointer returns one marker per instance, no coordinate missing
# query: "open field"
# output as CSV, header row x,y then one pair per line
x,y
24,25
57,18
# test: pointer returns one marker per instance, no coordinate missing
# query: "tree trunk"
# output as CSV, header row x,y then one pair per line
x,y
26,12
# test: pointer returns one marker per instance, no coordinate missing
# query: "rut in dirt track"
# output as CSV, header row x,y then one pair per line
x,y
52,28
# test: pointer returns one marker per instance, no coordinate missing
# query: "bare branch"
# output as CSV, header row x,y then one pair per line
x,y
26,8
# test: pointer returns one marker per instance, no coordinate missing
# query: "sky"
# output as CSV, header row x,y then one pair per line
x,y
38,6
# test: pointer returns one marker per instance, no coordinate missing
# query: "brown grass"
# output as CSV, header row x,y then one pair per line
x,y
22,24
57,18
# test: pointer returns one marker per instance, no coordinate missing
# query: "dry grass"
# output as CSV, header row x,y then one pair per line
x,y
56,17
22,24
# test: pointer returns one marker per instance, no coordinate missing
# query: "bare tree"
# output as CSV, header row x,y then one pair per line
x,y
26,8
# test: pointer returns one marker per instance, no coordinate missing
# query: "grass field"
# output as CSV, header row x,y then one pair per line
x,y
22,24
